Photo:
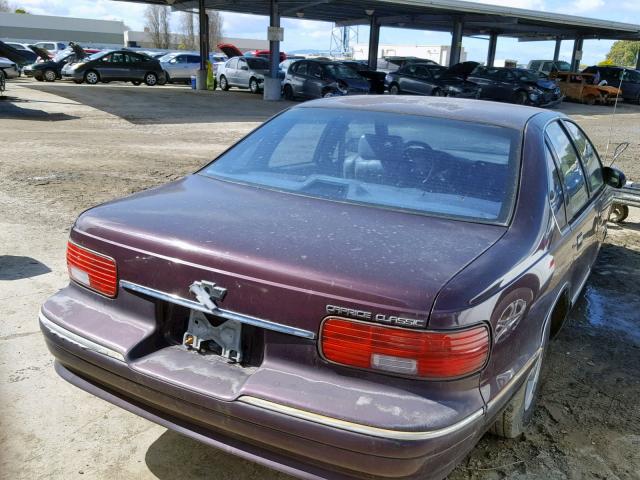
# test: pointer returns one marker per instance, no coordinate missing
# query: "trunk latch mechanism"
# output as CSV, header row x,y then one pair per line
x,y
227,336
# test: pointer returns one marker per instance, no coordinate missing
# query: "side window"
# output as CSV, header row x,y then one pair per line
x,y
535,65
302,68
423,73
570,169
117,57
589,156
131,58
315,70
193,59
106,58
233,63
556,194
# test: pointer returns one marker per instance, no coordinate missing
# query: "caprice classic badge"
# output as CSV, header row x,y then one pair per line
x,y
377,317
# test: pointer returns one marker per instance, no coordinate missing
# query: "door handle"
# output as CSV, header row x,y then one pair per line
x,y
579,239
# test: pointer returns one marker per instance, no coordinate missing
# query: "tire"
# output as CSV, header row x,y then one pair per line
x,y
49,75
394,89
77,82
327,94
91,77
151,79
590,100
511,422
136,82
254,86
224,85
39,78
288,92
521,98
619,213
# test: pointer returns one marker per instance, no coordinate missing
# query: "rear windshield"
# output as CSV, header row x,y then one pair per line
x,y
428,165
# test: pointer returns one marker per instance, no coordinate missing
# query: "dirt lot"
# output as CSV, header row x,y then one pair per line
x,y
67,147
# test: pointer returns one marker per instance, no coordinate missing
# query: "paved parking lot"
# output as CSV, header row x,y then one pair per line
x,y
67,147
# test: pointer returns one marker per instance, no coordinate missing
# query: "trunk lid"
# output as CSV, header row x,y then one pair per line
x,y
229,50
282,257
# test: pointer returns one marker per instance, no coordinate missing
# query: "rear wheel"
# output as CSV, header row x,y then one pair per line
x,y
151,79
288,92
254,86
224,85
512,421
136,82
590,99
619,213
327,94
49,75
91,77
394,89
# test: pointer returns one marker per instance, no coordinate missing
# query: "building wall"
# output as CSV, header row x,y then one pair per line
x,y
143,40
87,32
437,53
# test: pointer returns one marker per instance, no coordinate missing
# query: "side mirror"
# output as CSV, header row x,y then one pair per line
x,y
619,150
613,177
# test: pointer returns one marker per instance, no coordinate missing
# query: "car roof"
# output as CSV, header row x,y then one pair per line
x,y
477,111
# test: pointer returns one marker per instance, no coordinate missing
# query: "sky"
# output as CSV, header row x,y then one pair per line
x,y
306,34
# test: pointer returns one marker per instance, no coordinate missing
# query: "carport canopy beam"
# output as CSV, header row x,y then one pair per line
x,y
491,53
556,51
374,42
456,42
576,55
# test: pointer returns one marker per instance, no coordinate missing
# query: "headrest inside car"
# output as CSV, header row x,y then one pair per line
x,y
375,147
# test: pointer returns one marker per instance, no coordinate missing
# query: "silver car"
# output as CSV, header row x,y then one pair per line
x,y
9,68
243,72
179,67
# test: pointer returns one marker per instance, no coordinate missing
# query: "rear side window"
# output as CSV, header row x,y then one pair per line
x,y
556,194
589,156
570,169
437,166
301,68
233,63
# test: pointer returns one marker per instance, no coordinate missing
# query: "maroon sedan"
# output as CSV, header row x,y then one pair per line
x,y
361,287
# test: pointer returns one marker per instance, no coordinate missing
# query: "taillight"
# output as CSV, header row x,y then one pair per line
x,y
91,269
427,354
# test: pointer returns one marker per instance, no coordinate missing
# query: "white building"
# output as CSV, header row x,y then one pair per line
x,y
437,53
143,39
36,28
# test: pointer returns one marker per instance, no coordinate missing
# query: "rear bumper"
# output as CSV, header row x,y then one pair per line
x,y
296,442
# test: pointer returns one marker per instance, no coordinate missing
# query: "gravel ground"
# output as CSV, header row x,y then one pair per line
x,y
68,147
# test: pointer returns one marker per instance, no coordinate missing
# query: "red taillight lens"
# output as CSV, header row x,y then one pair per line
x,y
92,269
436,355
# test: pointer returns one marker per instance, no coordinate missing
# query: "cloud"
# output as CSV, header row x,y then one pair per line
x,y
528,4
582,6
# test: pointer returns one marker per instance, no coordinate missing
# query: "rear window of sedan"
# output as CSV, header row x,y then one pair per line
x,y
428,165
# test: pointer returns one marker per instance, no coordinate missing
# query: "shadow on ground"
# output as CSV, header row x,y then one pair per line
x,y
16,267
175,456
10,110
144,105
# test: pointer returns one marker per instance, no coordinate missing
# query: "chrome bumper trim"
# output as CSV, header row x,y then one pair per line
x,y
220,312
78,340
357,427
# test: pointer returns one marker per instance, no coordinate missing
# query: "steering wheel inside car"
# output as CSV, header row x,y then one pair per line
x,y
419,157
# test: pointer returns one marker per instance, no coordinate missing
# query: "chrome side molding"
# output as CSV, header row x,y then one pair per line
x,y
220,312
78,340
358,427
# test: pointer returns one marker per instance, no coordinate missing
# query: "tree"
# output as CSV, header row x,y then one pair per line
x,y
215,28
624,53
157,24
21,10
189,39
5,7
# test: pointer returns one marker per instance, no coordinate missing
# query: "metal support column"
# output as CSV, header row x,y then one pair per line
x,y
374,42
491,53
201,78
638,59
271,86
456,42
556,51
576,55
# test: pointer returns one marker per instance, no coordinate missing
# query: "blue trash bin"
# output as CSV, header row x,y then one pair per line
x,y
193,82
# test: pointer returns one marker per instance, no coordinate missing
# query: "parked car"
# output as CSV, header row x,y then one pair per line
x,y
360,287
20,57
9,69
320,78
24,50
626,79
549,66
230,50
284,66
50,69
376,78
116,65
392,63
243,72
179,67
516,85
429,79
579,87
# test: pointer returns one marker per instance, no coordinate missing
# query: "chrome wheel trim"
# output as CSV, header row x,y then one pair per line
x,y
151,79
50,75
92,77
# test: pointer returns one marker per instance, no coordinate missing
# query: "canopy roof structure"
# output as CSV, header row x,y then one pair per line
x,y
436,15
